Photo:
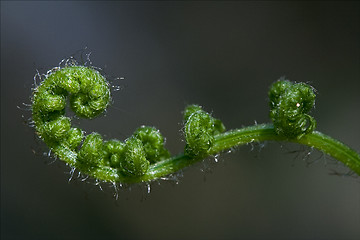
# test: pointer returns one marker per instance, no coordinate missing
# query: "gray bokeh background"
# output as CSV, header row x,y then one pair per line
x,y
222,55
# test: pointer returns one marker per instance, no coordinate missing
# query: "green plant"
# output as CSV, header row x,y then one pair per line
x,y
143,157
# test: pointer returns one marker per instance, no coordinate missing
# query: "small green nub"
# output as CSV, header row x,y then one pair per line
x,y
219,127
56,130
200,129
67,81
153,143
289,105
91,152
75,136
134,163
114,152
48,102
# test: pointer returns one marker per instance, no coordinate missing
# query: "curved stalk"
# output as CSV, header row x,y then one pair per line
x,y
257,133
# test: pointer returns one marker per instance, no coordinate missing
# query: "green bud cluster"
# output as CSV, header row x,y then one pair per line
x,y
289,107
200,129
89,95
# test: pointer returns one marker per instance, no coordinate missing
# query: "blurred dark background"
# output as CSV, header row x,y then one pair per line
x,y
221,55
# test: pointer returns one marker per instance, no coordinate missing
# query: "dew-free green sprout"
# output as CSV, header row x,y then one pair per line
x,y
143,157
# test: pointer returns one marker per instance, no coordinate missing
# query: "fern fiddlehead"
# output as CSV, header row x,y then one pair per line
x,y
143,157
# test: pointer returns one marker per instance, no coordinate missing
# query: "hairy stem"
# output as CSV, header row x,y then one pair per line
x,y
257,133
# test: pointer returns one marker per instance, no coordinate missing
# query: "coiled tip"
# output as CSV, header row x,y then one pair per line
x,y
200,129
289,107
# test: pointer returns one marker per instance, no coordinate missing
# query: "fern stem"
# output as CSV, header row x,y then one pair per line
x,y
257,133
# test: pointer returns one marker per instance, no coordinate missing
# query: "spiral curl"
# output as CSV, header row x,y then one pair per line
x,y
200,129
289,107
89,95
143,157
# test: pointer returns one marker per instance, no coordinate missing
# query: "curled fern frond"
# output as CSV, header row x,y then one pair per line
x,y
143,157
200,129
89,95
289,107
